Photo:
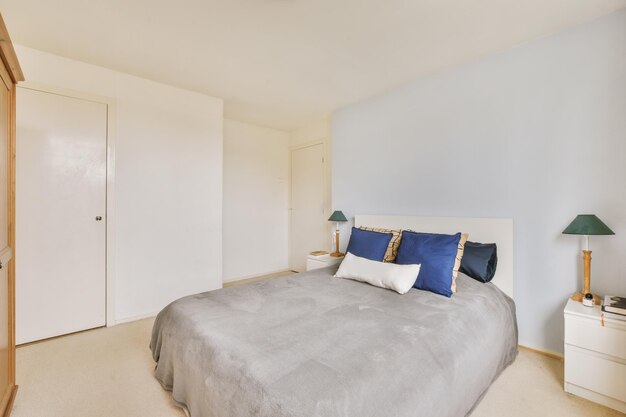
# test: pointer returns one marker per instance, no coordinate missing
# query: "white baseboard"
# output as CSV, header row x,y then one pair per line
x,y
133,318
549,353
262,274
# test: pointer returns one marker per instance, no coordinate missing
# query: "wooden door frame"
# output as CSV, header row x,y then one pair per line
x,y
6,403
325,168
11,73
110,184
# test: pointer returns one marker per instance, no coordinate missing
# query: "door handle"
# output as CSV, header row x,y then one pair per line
x,y
98,218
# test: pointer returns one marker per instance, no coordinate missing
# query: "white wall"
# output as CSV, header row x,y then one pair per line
x,y
536,133
319,130
168,182
256,200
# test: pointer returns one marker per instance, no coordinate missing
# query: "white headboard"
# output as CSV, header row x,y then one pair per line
x,y
498,231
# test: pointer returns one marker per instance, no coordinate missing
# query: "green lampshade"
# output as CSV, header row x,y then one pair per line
x,y
587,224
337,216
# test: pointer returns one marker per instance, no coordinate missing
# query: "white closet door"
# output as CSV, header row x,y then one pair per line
x,y
60,215
309,227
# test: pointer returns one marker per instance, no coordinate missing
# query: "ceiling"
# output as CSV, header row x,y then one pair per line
x,y
285,63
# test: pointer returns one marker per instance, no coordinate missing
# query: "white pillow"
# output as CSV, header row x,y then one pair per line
x,y
399,278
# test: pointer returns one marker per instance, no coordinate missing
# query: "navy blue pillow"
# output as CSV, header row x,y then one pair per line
x,y
436,253
368,244
479,261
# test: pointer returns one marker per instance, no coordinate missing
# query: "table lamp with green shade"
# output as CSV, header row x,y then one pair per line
x,y
337,217
587,224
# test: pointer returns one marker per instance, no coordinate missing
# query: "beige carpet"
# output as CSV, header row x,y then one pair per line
x,y
108,373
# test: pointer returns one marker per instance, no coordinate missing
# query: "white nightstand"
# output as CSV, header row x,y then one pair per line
x,y
322,261
595,355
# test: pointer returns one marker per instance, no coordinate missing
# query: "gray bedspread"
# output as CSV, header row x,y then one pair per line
x,y
313,345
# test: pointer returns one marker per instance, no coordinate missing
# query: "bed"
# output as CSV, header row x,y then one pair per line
x,y
313,345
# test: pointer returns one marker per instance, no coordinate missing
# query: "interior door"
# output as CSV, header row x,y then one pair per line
x,y
308,223
60,214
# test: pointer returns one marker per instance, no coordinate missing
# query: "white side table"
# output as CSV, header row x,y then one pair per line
x,y
595,355
322,261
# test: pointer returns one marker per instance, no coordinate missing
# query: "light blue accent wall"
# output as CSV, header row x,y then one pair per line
x,y
536,133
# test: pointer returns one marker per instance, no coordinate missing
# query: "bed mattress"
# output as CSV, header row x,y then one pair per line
x,y
312,345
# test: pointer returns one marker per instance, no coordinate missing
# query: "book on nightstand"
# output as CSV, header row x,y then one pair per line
x,y
614,306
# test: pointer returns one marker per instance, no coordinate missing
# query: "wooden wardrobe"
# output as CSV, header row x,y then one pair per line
x,y
11,74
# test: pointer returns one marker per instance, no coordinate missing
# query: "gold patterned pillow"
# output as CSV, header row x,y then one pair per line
x,y
394,243
457,261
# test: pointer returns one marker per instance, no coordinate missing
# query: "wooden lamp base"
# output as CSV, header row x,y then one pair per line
x,y
336,253
578,296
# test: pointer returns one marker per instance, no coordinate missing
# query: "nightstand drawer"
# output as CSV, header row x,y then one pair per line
x,y
322,261
590,334
315,264
594,372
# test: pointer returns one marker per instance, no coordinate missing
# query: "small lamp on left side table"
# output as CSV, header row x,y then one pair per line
x,y
337,217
